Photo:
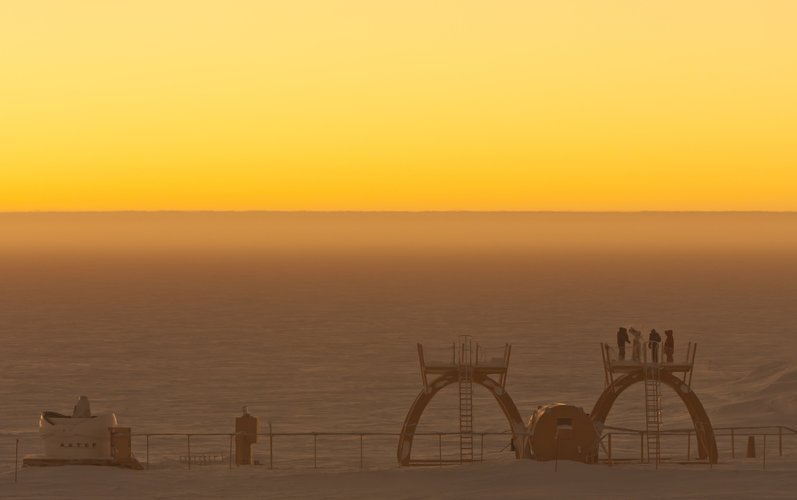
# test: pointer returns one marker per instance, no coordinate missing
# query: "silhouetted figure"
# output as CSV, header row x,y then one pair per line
x,y
622,340
669,346
636,345
654,339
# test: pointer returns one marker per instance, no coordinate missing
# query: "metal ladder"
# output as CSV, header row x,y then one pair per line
x,y
653,413
465,369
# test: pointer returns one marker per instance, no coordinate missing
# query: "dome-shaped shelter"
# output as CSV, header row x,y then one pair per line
x,y
562,432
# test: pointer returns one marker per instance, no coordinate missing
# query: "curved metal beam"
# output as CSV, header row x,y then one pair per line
x,y
502,397
700,419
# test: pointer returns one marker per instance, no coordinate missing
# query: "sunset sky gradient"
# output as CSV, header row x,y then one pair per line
x,y
398,105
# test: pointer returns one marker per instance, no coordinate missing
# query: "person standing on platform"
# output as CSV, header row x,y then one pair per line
x,y
622,340
636,345
669,346
654,339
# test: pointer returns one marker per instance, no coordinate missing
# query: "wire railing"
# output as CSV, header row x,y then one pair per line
x,y
269,455
725,436
315,450
297,450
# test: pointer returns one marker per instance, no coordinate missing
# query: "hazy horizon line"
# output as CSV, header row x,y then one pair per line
x,y
264,211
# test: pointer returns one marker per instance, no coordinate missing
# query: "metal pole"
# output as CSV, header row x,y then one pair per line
x,y
16,461
641,448
147,451
780,441
765,452
270,448
481,450
362,465
189,451
440,447
733,445
610,449
689,446
315,451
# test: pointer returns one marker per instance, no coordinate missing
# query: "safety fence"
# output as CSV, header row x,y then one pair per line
x,y
376,450
620,445
360,450
294,450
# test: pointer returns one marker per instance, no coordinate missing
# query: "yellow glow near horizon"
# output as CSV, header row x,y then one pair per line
x,y
398,105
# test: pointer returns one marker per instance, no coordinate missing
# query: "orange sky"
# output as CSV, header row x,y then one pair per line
x,y
410,105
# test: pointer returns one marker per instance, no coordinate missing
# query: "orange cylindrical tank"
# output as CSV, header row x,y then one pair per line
x,y
245,438
564,432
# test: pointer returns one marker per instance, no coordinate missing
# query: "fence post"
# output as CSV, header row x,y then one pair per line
x,y
189,451
641,448
780,441
315,450
765,452
16,460
147,451
270,448
440,447
481,450
733,444
362,463
689,446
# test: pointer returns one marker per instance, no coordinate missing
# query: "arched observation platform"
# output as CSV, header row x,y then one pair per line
x,y
620,375
465,367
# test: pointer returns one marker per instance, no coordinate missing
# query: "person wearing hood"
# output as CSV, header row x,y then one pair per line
x,y
622,340
636,344
669,346
654,339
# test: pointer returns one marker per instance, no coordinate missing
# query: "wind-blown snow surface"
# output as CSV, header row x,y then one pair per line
x,y
175,321
513,480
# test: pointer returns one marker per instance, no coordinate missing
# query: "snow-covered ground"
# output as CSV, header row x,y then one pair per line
x,y
516,479
178,339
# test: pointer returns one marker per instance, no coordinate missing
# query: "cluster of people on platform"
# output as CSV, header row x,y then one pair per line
x,y
638,352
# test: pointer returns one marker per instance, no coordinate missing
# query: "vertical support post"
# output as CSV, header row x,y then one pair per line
x,y
507,354
689,446
605,369
315,450
189,451
733,444
641,447
16,460
230,457
362,462
481,450
780,441
147,451
270,448
765,452
423,368
610,448
440,448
